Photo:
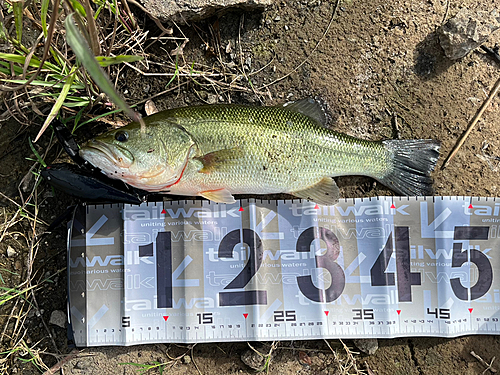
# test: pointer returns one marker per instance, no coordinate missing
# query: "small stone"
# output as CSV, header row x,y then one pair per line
x,y
277,18
467,30
58,318
211,99
368,346
186,359
11,252
248,61
253,360
304,359
81,365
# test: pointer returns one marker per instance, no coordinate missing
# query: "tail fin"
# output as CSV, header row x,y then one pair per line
x,y
412,163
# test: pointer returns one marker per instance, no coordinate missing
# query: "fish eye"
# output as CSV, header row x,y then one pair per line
x,y
121,136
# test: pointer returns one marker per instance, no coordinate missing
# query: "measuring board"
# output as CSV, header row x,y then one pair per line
x,y
198,271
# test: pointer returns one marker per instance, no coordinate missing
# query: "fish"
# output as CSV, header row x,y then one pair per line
x,y
218,151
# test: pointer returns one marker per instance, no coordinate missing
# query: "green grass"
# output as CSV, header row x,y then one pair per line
x,y
56,78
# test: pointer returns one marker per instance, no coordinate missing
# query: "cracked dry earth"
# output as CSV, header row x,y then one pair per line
x,y
378,59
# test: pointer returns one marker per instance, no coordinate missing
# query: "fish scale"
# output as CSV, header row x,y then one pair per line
x,y
220,150
280,148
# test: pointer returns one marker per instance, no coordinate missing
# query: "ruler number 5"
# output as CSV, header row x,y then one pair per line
x,y
485,272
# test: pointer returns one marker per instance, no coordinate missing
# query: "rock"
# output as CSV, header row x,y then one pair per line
x,y
467,30
182,11
304,359
81,365
253,360
368,346
186,359
11,252
211,99
58,318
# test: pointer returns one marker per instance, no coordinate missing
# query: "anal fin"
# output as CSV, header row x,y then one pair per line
x,y
219,196
325,192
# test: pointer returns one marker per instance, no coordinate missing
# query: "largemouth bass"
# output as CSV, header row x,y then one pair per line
x,y
220,150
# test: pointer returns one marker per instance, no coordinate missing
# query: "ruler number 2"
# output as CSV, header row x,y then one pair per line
x,y
246,297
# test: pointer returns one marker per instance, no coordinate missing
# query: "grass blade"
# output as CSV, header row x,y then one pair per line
x,y
37,155
34,62
78,7
59,102
107,61
82,51
43,15
17,8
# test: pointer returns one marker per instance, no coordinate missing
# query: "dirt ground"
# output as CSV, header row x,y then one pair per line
x,y
380,72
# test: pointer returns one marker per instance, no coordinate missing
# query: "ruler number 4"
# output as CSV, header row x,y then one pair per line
x,y
406,278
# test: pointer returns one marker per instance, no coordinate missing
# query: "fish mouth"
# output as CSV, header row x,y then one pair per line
x,y
114,154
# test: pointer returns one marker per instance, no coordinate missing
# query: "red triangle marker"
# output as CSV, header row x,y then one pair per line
x,y
470,310
327,312
393,206
316,207
241,209
398,311
163,211
165,317
470,206
245,315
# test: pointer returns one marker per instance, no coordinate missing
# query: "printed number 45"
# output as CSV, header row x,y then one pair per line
x,y
406,278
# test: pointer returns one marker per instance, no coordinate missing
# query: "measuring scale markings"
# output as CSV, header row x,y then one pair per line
x,y
195,271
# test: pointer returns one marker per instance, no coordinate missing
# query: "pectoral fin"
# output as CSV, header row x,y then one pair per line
x,y
325,192
219,196
219,159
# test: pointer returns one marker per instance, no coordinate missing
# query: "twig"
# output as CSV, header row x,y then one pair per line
x,y
492,53
473,123
62,362
192,359
242,20
484,363
446,12
307,58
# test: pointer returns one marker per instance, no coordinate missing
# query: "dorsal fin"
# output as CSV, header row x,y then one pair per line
x,y
309,107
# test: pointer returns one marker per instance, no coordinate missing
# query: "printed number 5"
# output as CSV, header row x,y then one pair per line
x,y
326,261
485,272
